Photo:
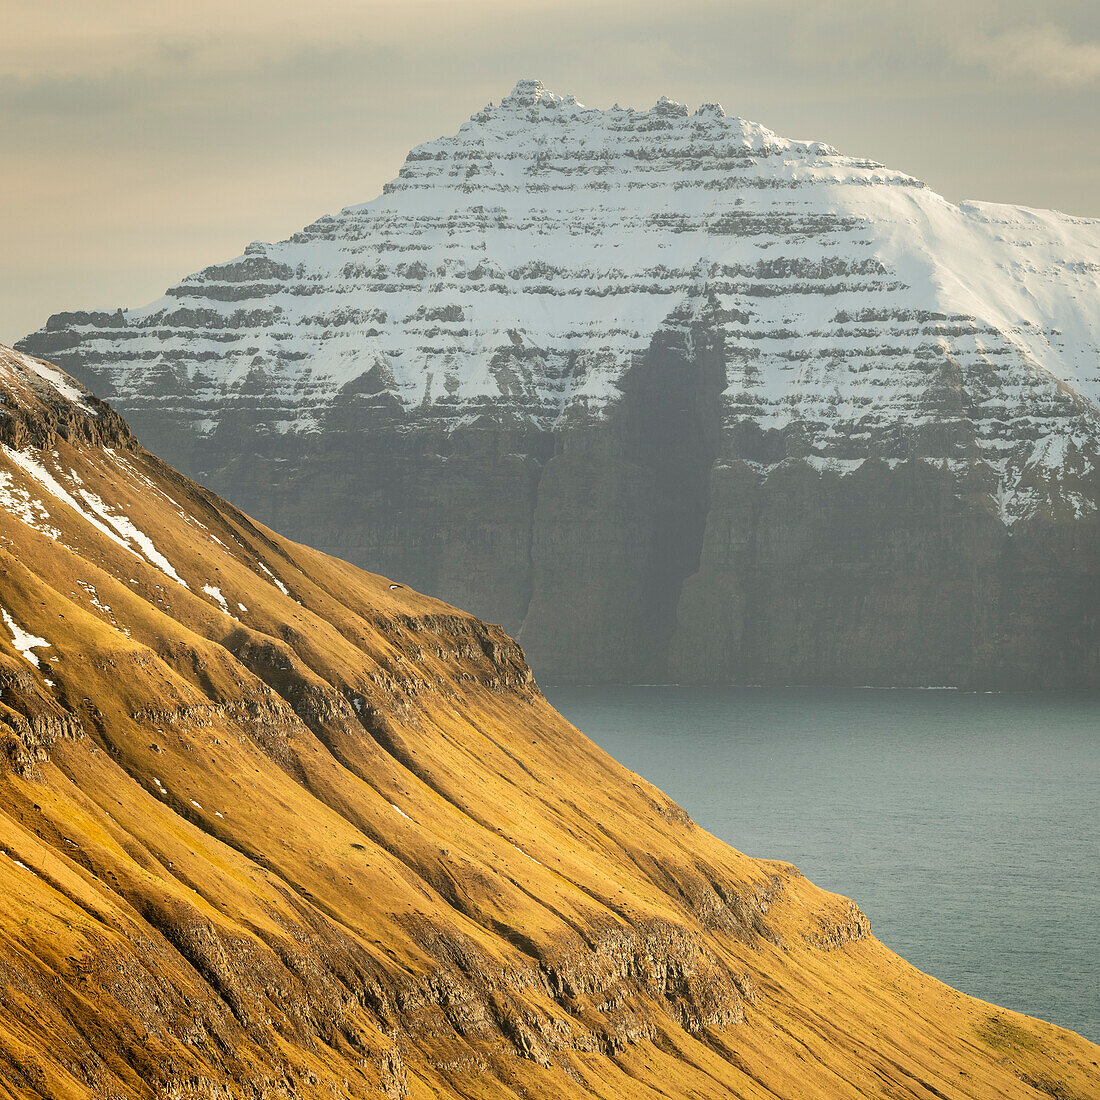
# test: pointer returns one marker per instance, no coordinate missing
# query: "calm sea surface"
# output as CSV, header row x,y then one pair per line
x,y
966,826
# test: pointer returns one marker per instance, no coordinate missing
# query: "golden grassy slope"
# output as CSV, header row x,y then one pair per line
x,y
335,843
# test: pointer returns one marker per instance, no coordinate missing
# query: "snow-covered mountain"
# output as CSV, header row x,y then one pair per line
x,y
573,365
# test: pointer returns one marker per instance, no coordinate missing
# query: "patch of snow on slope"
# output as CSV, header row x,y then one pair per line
x,y
125,527
24,507
149,483
24,641
835,465
124,532
99,605
33,468
275,580
527,854
93,595
215,593
20,863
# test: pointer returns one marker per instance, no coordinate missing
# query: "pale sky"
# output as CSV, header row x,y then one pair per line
x,y
145,139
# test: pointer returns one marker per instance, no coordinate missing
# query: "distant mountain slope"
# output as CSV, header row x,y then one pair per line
x,y
665,393
273,827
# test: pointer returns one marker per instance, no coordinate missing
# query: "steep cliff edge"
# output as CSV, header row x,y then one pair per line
x,y
274,827
666,394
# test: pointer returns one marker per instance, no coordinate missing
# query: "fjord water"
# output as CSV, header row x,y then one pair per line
x,y
967,826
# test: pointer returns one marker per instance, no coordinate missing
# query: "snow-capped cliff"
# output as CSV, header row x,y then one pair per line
x,y
524,262
516,275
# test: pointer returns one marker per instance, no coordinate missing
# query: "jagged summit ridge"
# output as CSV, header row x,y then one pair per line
x,y
531,102
609,140
530,92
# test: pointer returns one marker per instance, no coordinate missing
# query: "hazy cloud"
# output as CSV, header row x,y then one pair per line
x,y
1044,53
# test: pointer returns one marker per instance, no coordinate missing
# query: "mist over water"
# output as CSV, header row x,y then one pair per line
x,y
966,826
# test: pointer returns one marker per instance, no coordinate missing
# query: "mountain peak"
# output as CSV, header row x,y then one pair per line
x,y
529,92
670,107
531,101
641,134
26,382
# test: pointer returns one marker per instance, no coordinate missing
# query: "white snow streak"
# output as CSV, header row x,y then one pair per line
x,y
274,580
23,641
56,379
118,528
24,507
216,593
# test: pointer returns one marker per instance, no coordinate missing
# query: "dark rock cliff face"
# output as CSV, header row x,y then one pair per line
x,y
619,519
885,577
